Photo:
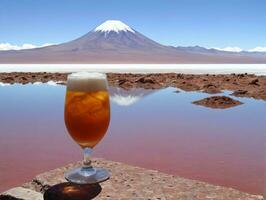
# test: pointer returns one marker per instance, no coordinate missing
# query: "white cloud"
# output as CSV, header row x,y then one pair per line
x,y
8,46
238,49
231,49
258,49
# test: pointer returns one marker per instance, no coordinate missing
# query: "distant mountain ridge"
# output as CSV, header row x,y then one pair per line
x,y
115,42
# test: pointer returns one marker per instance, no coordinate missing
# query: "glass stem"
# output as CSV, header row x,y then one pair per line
x,y
87,157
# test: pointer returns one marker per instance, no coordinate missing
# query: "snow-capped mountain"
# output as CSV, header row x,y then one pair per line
x,y
115,42
113,25
124,97
112,35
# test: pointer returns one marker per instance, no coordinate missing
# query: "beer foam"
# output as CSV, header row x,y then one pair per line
x,y
87,82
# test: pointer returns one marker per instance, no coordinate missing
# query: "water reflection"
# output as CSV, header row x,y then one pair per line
x,y
4,84
162,131
129,97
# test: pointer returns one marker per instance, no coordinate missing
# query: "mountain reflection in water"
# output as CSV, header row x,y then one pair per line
x,y
129,97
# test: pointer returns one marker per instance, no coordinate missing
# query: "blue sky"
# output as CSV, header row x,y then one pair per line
x,y
209,23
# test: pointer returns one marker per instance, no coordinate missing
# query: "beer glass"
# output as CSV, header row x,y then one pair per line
x,y
87,116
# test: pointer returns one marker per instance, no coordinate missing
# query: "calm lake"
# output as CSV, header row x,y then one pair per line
x,y
155,129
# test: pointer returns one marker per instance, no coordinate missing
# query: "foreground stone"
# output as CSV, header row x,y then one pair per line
x,y
21,193
133,183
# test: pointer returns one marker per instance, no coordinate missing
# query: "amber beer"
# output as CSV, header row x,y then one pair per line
x,y
87,108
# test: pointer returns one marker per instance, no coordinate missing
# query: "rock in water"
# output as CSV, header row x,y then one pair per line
x,y
218,102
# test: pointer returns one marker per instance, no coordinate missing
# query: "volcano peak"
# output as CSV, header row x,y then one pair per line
x,y
113,25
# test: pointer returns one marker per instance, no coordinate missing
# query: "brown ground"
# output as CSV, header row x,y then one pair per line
x,y
126,182
242,85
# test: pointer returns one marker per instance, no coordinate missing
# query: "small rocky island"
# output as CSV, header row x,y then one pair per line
x,y
218,102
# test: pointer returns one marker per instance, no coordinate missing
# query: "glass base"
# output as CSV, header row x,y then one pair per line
x,y
87,175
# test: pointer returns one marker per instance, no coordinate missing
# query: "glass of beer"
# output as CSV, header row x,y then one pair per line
x,y
87,116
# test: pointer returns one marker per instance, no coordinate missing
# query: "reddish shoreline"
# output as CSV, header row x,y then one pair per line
x,y
243,85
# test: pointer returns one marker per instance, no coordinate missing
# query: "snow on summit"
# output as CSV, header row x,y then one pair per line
x,y
113,25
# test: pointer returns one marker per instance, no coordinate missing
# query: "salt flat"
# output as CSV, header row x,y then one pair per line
x,y
258,69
